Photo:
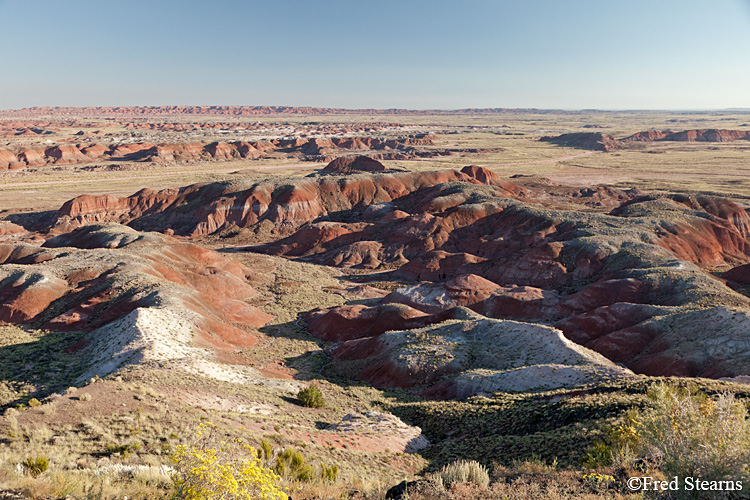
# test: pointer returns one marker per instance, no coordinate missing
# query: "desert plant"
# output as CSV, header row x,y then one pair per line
x,y
311,397
597,455
205,472
34,402
305,473
265,451
598,481
125,450
465,471
535,465
35,465
690,435
329,474
291,463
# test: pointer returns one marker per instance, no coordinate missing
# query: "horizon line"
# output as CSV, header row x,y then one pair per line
x,y
291,109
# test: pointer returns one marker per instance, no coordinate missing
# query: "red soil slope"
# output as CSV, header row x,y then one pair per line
x,y
94,275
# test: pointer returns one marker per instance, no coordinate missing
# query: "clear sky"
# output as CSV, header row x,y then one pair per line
x,y
573,54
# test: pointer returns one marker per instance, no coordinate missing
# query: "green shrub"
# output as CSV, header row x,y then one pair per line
x,y
690,435
291,463
123,449
465,471
311,397
34,402
35,465
265,451
329,474
305,473
598,455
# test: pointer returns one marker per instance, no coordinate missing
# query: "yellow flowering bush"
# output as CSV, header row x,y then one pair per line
x,y
602,481
211,473
689,434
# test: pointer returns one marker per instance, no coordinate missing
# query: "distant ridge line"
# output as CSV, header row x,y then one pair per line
x,y
82,111
256,110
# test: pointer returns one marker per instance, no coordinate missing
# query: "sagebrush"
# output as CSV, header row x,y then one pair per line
x,y
465,471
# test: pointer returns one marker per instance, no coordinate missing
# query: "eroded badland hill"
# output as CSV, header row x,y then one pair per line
x,y
489,285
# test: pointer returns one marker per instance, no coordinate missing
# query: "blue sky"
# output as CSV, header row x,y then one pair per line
x,y
636,54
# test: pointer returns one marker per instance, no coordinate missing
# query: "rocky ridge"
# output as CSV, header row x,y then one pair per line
x,y
598,141
315,149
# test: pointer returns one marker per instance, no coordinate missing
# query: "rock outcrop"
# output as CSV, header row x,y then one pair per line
x,y
352,164
595,141
314,149
286,206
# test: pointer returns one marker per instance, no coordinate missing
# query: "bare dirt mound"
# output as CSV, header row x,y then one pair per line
x,y
99,275
349,165
383,427
739,274
595,141
463,358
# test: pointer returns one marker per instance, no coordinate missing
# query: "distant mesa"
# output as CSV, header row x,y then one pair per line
x,y
351,164
704,135
710,135
596,141
647,136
